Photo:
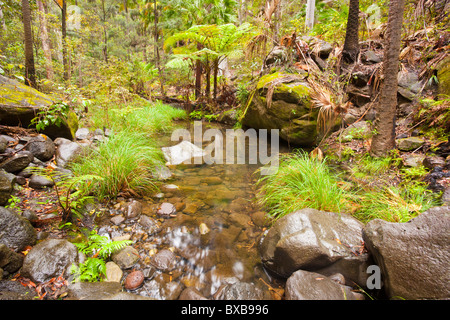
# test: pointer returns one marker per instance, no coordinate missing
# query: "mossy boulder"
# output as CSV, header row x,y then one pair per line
x,y
19,104
443,75
289,109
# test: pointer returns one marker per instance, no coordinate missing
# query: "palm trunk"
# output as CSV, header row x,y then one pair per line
x,y
30,73
351,44
384,139
45,40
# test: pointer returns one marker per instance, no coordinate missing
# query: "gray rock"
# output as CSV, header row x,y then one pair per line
x,y
125,296
40,182
411,143
311,240
126,257
133,209
82,133
239,291
304,285
183,153
14,290
431,162
5,188
191,293
3,143
149,223
118,219
15,232
446,197
164,260
93,290
371,57
113,272
10,261
162,173
49,258
359,130
30,216
42,147
166,210
414,160
17,162
67,151
413,256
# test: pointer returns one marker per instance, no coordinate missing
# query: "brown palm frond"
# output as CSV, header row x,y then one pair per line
x,y
329,111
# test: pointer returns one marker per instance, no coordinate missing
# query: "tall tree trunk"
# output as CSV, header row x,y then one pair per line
x,y
2,21
158,58
384,139
30,73
351,45
64,42
44,39
105,33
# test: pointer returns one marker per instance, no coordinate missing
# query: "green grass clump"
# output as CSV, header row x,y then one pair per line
x,y
304,182
301,182
394,204
125,163
127,159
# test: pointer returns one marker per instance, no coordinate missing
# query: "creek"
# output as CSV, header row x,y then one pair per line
x,y
214,234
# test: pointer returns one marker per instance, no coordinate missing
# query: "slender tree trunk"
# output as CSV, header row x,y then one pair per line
x,y
216,71
64,42
105,33
2,21
351,45
44,39
384,139
310,8
158,58
207,78
30,73
198,79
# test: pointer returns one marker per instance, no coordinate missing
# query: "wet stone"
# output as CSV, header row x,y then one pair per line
x,y
134,280
166,210
164,260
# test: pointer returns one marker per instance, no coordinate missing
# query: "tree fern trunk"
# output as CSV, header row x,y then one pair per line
x,y
384,138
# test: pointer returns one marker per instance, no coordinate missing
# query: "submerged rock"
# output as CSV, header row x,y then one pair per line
x,y
413,256
166,210
164,260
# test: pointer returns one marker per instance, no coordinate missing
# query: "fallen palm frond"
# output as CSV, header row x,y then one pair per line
x,y
273,84
329,110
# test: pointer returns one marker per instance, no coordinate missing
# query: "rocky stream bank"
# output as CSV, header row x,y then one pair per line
x,y
203,237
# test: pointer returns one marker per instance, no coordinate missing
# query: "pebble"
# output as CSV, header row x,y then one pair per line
x,y
134,280
166,210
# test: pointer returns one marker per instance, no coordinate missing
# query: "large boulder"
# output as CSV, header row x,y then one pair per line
x,y
15,232
48,259
281,101
413,256
319,241
20,104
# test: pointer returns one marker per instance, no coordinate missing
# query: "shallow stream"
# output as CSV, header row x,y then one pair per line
x,y
214,234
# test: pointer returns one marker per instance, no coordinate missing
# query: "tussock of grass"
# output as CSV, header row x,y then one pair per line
x,y
301,182
127,159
